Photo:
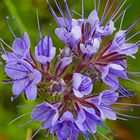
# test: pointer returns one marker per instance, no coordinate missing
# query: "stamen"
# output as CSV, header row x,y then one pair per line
x,y
94,137
8,23
132,36
16,23
21,107
19,117
3,48
69,17
122,20
123,109
38,24
54,14
36,133
102,135
95,4
76,13
138,43
132,26
108,11
129,29
87,136
99,2
133,81
126,92
104,127
1,64
82,9
47,134
119,9
117,18
104,11
60,10
67,11
25,123
7,82
134,73
53,136
13,98
127,104
123,93
120,118
116,11
6,44
128,116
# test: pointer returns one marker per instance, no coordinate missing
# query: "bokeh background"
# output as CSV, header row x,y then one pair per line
x,y
25,13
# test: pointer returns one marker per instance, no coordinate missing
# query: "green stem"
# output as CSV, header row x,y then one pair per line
x,y
29,134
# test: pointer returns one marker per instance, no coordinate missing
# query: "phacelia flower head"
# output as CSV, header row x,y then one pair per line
x,y
71,86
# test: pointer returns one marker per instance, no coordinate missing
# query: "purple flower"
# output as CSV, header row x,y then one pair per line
x,y
44,51
119,43
91,46
94,22
107,98
20,49
110,74
21,46
64,60
46,113
65,128
103,102
105,30
24,77
69,30
81,85
96,27
87,120
72,37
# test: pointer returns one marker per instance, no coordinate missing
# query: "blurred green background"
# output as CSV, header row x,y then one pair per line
x,y
25,13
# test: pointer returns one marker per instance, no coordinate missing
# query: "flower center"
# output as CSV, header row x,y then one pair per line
x,y
31,76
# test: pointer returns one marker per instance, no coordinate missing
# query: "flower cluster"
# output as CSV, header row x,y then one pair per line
x,y
66,84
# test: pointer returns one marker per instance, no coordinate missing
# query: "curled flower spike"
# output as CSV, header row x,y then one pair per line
x,y
94,53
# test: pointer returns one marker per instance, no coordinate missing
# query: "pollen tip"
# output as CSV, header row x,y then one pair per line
x,y
7,17
1,63
13,17
47,1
